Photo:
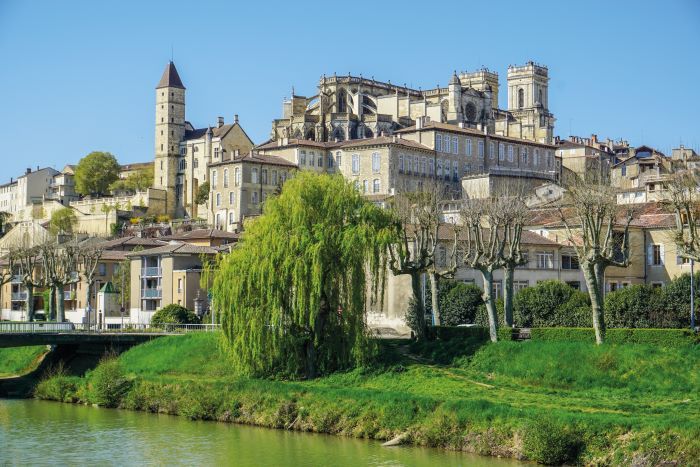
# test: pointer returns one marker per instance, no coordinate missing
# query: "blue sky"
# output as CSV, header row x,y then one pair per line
x,y
78,76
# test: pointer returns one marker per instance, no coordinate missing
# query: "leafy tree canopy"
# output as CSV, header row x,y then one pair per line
x,y
174,314
95,173
62,221
202,193
138,181
292,293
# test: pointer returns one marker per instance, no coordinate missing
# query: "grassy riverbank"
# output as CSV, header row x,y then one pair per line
x,y
20,360
550,401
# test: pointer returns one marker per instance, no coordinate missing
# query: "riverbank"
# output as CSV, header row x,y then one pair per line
x,y
549,401
16,361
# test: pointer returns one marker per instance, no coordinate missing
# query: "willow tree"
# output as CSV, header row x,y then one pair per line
x,y
293,293
599,233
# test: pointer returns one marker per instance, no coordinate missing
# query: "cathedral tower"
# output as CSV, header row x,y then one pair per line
x,y
170,131
528,101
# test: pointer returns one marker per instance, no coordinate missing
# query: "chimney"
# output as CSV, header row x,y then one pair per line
x,y
419,123
594,139
29,170
279,142
393,138
460,124
235,118
220,122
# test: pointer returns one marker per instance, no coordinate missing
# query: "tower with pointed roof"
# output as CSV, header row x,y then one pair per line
x,y
170,131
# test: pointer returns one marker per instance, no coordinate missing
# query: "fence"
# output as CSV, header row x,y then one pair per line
x,y
52,327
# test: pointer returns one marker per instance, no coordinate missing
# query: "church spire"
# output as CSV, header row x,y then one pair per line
x,y
170,78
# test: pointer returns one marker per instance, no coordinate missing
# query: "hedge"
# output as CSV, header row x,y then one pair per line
x,y
660,337
446,333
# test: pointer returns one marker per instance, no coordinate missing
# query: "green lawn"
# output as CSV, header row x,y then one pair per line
x,y
19,360
620,401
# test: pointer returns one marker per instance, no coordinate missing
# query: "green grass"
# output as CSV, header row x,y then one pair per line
x,y
19,360
614,402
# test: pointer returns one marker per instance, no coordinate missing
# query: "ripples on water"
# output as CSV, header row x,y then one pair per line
x,y
39,433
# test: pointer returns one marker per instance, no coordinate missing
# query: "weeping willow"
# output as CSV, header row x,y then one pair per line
x,y
292,294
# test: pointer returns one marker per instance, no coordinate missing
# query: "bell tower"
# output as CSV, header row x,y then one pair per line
x,y
170,131
528,101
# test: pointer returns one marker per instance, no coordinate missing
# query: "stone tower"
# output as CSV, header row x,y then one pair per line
x,y
170,131
528,101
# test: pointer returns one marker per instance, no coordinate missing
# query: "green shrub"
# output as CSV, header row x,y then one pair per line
x,y
107,384
61,388
550,303
675,297
174,314
659,337
550,442
460,304
458,332
636,306
482,318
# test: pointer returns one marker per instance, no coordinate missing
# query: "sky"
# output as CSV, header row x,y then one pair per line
x,y
80,76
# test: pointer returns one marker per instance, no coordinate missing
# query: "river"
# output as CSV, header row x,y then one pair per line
x,y
36,432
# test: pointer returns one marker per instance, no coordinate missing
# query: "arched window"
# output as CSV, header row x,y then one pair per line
x,y
237,176
311,134
213,179
375,185
521,98
342,101
541,101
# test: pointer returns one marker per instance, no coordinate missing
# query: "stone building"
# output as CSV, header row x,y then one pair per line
x,y
183,152
352,107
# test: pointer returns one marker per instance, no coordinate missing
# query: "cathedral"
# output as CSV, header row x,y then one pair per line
x,y
351,107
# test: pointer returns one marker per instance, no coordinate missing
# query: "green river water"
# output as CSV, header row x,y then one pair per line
x,y
39,433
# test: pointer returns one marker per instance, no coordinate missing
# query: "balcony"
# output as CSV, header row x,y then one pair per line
x,y
150,272
150,293
19,296
16,279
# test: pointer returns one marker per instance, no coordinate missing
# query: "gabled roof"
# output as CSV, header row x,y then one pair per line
x,y
170,78
130,243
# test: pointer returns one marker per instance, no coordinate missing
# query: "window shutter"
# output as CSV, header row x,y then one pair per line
x,y
662,254
650,254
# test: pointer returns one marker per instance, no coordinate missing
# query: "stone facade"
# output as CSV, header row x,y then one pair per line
x,y
352,107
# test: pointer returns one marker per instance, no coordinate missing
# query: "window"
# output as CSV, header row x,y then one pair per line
x,y
431,167
523,155
468,147
231,218
225,178
682,260
569,262
376,162
338,159
492,150
612,286
521,98
481,149
400,163
237,176
264,177
218,200
355,164
536,157
455,171
446,143
424,166
375,185
274,178
102,269
416,165
319,161
520,285
254,197
213,179
439,168
357,185
365,186
550,158
330,160
438,142
656,255
510,153
455,145
624,170
497,291
446,170
302,158
195,162
501,151
409,164
216,153
254,175
179,285
545,260
230,197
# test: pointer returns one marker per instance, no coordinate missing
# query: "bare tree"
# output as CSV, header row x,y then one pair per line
x,y
513,211
685,202
590,222
414,253
88,259
59,265
27,260
7,272
482,244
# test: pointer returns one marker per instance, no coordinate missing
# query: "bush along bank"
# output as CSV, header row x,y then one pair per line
x,y
506,399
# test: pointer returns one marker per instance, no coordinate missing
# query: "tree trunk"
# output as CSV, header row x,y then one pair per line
x,y
51,310
490,305
593,276
60,304
30,302
508,273
319,324
434,301
87,304
421,328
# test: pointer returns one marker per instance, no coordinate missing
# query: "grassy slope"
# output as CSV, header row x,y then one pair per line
x,y
19,360
479,402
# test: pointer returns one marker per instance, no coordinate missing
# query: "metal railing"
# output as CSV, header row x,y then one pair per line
x,y
16,279
150,272
37,327
151,293
16,296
